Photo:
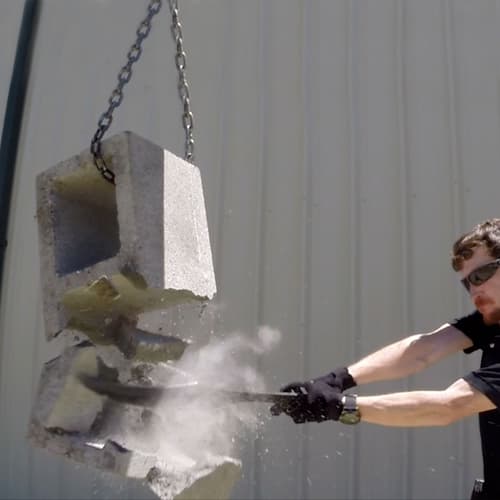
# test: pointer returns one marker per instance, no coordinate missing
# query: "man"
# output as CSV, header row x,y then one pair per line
x,y
476,257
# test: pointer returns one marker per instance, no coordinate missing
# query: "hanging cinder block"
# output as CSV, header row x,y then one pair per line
x,y
118,250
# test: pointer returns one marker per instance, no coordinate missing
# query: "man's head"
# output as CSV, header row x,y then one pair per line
x,y
475,257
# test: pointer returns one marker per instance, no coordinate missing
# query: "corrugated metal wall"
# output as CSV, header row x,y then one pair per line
x,y
343,146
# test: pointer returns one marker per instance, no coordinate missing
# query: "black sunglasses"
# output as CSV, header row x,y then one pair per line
x,y
481,274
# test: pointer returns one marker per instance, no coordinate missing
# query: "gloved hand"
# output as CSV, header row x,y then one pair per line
x,y
323,397
323,402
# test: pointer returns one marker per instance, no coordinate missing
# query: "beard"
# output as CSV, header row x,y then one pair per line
x,y
489,310
491,317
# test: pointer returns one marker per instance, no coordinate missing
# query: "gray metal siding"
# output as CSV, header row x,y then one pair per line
x,y
343,146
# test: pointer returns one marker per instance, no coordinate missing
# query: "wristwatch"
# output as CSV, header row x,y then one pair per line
x,y
350,413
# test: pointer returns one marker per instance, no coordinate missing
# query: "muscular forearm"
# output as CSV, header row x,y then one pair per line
x,y
409,356
403,358
424,408
406,409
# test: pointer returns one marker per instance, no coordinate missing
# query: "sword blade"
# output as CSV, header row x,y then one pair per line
x,y
150,396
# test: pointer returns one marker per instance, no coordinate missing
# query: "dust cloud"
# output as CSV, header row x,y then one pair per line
x,y
197,428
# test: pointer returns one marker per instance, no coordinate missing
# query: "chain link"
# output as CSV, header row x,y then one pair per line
x,y
182,85
125,75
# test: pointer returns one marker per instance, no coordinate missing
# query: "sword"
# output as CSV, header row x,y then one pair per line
x,y
149,396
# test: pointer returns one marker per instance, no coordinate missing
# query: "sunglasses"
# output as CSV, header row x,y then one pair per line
x,y
481,274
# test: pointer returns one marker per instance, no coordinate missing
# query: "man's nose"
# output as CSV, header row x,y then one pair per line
x,y
475,291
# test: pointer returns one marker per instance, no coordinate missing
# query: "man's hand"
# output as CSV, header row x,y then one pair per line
x,y
323,402
340,378
323,397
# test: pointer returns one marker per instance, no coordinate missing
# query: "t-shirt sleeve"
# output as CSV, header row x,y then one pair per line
x,y
474,327
487,381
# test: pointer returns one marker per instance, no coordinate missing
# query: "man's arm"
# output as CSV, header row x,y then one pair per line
x,y
424,408
409,355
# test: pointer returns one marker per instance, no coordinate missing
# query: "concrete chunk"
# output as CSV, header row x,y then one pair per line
x,y
212,479
140,345
138,246
133,343
62,401
178,479
106,455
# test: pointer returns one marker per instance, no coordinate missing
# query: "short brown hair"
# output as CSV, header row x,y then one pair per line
x,y
485,233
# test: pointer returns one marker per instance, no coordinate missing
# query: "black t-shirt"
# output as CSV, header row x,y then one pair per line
x,y
487,381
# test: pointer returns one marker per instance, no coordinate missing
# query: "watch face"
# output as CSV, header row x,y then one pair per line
x,y
350,417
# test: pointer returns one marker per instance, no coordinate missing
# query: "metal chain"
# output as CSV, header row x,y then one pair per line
x,y
125,75
182,86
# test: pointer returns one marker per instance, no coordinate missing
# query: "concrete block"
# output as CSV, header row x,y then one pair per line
x,y
109,251
63,402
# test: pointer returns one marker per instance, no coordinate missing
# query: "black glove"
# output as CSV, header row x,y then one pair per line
x,y
323,400
322,403
340,378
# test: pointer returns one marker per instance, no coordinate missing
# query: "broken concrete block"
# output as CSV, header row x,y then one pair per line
x,y
109,250
140,345
125,441
132,441
112,256
133,343
94,307
212,479
63,402
168,479
106,455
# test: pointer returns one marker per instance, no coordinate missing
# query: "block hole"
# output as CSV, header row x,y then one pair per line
x,y
85,220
